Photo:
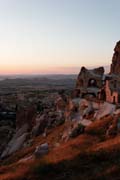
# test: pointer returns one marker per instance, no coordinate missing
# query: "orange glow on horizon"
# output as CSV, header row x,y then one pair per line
x,y
37,70
41,69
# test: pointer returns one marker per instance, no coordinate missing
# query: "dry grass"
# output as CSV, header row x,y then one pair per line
x,y
99,127
84,157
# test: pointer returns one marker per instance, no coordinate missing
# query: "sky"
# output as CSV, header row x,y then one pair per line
x,y
57,36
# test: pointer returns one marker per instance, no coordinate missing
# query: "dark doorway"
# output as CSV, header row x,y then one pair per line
x,y
92,83
103,95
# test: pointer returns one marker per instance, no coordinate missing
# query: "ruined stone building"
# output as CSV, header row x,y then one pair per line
x,y
104,87
89,82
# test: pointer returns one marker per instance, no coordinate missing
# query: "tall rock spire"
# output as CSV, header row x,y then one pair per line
x,y
115,66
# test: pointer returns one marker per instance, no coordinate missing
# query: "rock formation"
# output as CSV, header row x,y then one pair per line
x,y
87,80
115,66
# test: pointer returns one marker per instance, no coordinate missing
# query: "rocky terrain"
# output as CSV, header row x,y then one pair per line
x,y
70,132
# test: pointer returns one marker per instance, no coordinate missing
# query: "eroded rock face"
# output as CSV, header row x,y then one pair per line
x,y
14,145
104,110
24,123
115,66
41,123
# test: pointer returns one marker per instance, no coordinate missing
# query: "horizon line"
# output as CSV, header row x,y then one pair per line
x,y
54,72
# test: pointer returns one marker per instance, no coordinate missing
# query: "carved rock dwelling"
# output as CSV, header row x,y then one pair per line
x,y
102,86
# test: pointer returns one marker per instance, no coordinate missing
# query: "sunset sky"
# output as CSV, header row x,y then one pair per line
x,y
57,36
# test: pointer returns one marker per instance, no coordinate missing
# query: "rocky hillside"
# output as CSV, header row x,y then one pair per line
x,y
91,155
71,138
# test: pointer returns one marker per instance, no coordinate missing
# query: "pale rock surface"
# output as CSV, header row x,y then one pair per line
x,y
18,143
21,131
105,109
26,159
14,145
88,110
86,122
117,111
41,150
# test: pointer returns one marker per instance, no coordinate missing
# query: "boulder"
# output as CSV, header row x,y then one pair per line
x,y
41,150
